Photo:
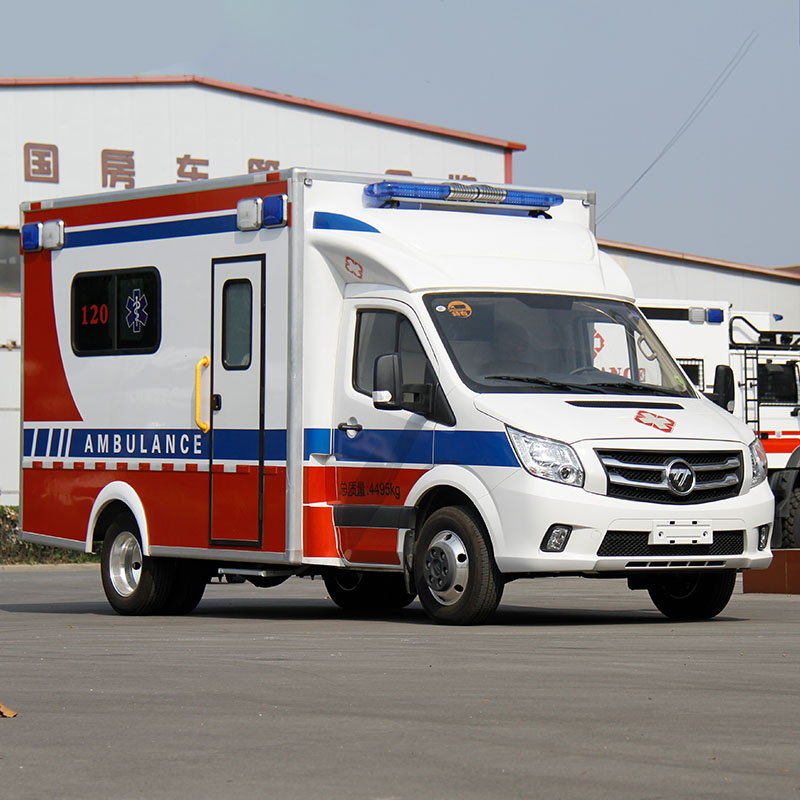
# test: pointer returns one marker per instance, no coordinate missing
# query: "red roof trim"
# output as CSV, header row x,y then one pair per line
x,y
775,272
267,95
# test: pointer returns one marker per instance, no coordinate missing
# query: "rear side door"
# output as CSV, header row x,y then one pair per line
x,y
379,454
237,402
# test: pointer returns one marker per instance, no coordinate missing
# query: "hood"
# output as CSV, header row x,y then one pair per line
x,y
577,417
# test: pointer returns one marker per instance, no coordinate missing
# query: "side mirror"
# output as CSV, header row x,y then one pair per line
x,y
387,382
723,393
391,394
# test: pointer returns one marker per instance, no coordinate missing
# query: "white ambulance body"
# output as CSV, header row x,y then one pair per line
x,y
765,361
405,387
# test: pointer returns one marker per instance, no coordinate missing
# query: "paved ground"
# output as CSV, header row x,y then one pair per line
x,y
577,689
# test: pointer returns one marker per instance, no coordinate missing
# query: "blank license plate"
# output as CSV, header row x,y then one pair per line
x,y
681,532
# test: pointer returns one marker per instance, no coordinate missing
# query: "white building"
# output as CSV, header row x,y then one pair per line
x,y
70,136
677,276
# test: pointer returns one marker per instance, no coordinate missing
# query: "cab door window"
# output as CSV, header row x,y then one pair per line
x,y
379,332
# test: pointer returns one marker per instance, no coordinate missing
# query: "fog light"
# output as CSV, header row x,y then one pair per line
x,y
556,538
763,537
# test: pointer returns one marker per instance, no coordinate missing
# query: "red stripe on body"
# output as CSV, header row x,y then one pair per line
x,y
782,445
47,393
115,209
369,545
319,535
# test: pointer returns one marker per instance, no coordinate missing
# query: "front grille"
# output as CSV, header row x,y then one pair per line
x,y
634,543
642,475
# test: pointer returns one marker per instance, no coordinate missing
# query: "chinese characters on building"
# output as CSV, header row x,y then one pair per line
x,y
118,167
41,162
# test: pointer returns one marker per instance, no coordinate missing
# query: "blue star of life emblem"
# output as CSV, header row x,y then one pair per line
x,y
136,304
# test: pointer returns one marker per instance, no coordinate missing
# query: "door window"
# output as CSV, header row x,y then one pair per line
x,y
382,332
237,324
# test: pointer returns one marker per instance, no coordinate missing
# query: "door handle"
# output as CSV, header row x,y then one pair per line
x,y
216,402
351,427
198,372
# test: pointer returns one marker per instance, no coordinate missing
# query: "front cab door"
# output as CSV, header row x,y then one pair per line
x,y
379,454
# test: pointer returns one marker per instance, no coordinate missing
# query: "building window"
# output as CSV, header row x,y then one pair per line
x,y
116,313
9,262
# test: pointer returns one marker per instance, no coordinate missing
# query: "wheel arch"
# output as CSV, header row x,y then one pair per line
x,y
448,486
112,499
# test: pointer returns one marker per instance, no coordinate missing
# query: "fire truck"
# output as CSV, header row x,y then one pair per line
x,y
408,387
764,360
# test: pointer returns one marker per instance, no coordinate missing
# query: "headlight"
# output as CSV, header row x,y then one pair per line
x,y
547,458
758,458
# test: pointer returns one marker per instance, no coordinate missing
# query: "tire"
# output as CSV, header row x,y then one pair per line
x,y
367,592
694,597
134,584
189,580
790,524
454,570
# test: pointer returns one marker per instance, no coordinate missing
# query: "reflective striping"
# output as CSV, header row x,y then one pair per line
x,y
170,448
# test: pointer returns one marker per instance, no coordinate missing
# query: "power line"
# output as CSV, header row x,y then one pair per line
x,y
717,84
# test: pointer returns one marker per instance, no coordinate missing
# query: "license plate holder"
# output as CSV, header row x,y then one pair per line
x,y
682,531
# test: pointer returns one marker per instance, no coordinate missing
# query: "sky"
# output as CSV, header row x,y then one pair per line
x,y
683,115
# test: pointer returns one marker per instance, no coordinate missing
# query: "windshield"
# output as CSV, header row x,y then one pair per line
x,y
521,342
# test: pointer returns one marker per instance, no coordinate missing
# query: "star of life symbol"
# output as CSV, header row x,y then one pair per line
x,y
664,424
136,304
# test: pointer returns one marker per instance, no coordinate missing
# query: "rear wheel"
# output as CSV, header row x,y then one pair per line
x,y
694,597
189,580
367,592
790,524
133,583
454,570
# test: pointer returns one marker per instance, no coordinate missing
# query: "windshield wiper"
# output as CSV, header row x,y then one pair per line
x,y
635,388
569,387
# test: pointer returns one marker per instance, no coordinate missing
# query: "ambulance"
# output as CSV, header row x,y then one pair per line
x,y
411,388
765,360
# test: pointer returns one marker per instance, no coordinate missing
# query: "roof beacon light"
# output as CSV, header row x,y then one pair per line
x,y
387,191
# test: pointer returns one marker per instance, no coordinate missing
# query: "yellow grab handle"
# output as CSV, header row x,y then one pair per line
x,y
198,370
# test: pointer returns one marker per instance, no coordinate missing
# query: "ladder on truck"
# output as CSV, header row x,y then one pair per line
x,y
752,351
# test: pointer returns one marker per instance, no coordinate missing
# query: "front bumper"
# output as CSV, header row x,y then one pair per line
x,y
527,506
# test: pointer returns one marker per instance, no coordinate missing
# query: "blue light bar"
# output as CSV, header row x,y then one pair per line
x,y
31,237
714,315
461,193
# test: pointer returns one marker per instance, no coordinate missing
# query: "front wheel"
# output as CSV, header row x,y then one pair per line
x,y
693,597
133,583
457,580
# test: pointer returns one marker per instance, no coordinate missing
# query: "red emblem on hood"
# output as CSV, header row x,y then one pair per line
x,y
654,421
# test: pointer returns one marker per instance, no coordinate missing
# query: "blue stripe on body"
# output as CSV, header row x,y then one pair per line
x,y
325,220
467,448
145,443
151,230
27,442
475,448
388,446
41,443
